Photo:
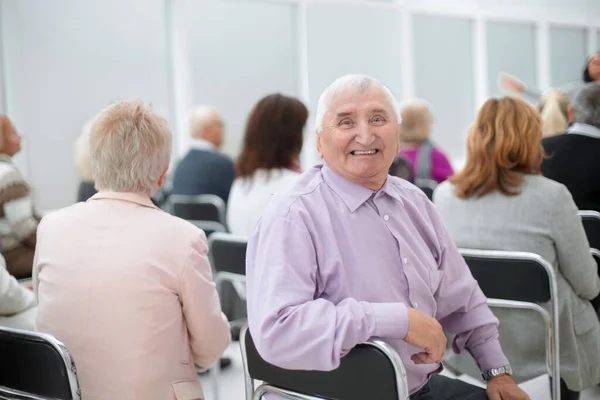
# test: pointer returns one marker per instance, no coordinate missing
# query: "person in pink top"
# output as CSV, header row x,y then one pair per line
x,y
428,161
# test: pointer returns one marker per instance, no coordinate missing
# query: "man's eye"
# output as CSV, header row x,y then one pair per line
x,y
346,122
378,119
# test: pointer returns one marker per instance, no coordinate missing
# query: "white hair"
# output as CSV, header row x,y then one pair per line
x,y
199,117
346,84
130,148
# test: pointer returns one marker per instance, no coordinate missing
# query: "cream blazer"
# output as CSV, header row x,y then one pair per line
x,y
128,289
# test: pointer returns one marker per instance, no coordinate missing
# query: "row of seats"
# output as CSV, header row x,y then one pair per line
x,y
41,366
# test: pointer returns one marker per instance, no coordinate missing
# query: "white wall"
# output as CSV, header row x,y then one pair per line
x,y
65,59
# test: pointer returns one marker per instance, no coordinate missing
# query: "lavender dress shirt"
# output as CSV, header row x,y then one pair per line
x,y
332,264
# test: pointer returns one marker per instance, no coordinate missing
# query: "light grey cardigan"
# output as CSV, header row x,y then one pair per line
x,y
542,219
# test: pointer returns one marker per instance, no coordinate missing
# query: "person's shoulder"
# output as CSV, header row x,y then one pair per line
x,y
554,141
443,191
543,192
292,201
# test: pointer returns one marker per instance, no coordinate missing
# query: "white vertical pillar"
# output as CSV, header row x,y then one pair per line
x,y
178,79
542,60
309,155
480,61
408,55
592,39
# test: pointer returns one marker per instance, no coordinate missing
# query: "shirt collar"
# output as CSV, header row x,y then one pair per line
x,y
201,144
122,196
584,129
353,194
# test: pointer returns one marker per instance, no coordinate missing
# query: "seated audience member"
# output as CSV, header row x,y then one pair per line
x,y
204,170
556,112
17,303
268,161
18,220
353,253
402,168
500,201
428,161
574,158
82,164
126,286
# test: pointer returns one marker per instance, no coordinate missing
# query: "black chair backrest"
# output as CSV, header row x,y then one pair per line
x,y
510,278
591,224
364,373
199,208
228,253
33,365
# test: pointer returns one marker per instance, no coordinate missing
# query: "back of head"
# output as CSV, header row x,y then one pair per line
x,y
416,122
587,105
130,148
205,123
273,137
554,110
503,144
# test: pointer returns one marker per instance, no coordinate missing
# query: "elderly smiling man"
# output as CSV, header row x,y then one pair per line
x,y
352,253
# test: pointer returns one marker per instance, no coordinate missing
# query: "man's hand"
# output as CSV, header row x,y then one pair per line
x,y
425,332
503,387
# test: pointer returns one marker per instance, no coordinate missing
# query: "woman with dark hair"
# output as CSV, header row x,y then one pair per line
x,y
591,73
500,201
269,161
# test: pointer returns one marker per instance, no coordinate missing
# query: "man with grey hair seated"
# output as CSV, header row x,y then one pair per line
x,y
204,170
574,158
353,253
127,287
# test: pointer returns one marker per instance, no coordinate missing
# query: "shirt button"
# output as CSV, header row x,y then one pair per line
x,y
386,217
415,305
405,260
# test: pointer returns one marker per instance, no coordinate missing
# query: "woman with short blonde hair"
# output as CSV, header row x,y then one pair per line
x,y
500,201
554,110
119,279
428,162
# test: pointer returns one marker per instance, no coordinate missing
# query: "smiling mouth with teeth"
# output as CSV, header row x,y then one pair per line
x,y
363,152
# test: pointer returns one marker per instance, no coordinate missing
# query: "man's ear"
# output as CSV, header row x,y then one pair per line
x,y
571,114
319,146
161,181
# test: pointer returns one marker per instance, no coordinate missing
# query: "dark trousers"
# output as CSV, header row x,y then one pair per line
x,y
443,388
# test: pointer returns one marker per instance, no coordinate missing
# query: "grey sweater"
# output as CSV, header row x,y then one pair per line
x,y
542,219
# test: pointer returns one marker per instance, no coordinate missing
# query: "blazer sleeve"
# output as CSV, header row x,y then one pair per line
x,y
572,247
14,298
208,328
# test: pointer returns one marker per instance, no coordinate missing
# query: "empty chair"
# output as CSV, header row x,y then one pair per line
x,y
519,280
204,207
36,366
370,370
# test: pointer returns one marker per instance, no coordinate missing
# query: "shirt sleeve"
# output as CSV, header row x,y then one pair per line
x,y
14,298
18,210
208,327
291,327
462,307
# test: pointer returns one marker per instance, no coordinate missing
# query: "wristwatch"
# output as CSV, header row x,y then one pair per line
x,y
494,372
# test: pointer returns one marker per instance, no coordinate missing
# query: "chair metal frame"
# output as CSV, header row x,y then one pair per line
x,y
59,347
551,319
239,284
592,215
209,226
198,199
260,391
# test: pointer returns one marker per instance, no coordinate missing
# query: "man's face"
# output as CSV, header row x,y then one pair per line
x,y
359,139
12,140
594,68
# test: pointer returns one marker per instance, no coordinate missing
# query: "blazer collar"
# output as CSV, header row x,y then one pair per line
x,y
136,198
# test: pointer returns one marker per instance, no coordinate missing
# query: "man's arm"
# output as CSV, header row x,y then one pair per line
x,y
291,327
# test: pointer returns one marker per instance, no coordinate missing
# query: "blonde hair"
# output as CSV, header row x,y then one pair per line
x,y
554,110
130,148
199,117
503,143
83,163
416,121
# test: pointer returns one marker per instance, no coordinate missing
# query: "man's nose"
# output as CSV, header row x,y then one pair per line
x,y
365,135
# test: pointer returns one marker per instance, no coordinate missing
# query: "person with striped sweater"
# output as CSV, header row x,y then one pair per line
x,y
18,221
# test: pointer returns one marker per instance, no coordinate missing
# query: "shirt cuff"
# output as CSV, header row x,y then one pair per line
x,y
391,320
489,355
